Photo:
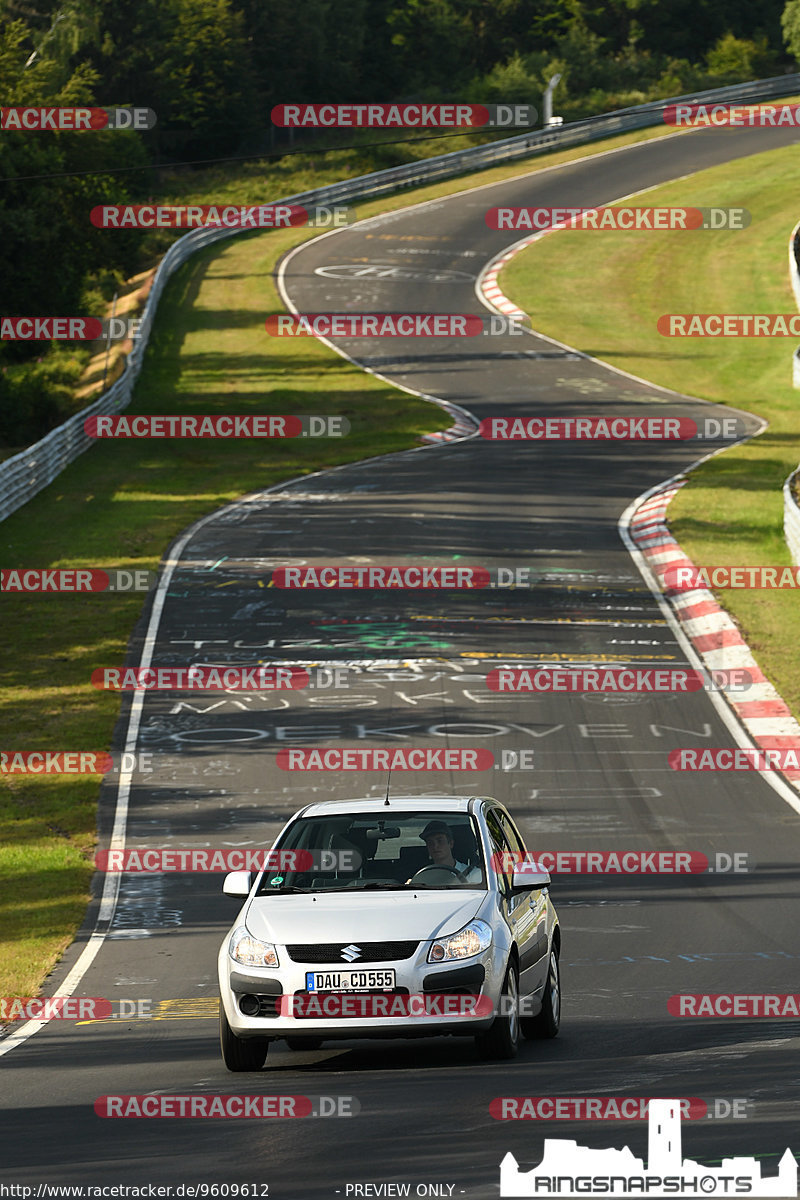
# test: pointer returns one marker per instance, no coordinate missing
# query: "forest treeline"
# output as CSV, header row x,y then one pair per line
x,y
213,69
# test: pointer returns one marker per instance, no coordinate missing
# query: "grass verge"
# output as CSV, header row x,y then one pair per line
x,y
731,511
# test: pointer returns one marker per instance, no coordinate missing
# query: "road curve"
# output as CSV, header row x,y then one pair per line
x,y
417,664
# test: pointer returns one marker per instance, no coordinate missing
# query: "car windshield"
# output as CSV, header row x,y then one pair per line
x,y
378,851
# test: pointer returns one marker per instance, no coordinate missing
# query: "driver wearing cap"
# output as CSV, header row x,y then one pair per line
x,y
439,842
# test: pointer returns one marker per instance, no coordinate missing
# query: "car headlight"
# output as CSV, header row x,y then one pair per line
x,y
471,940
250,952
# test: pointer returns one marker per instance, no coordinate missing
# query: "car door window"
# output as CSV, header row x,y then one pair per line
x,y
513,837
500,848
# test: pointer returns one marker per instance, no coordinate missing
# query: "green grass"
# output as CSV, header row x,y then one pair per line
x,y
731,511
121,503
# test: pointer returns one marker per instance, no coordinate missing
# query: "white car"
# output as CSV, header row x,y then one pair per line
x,y
398,918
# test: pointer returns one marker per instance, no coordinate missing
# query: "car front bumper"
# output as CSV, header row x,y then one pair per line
x,y
480,976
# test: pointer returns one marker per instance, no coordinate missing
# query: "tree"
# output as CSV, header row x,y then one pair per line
x,y
790,27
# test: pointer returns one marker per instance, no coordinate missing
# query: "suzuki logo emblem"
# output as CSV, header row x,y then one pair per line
x,y
351,952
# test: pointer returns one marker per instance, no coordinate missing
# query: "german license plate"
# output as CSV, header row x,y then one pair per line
x,y
350,981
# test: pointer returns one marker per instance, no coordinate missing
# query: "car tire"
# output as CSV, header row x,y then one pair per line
x,y
546,1023
502,1039
304,1043
240,1054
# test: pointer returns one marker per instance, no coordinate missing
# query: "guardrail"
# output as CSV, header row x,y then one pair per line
x,y
28,472
794,277
791,512
791,517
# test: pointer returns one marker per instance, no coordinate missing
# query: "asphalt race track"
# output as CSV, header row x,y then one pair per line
x,y
416,666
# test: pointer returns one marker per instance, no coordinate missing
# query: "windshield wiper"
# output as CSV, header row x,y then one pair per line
x,y
286,887
391,887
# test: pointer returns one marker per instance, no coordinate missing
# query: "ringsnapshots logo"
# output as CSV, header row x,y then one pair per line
x,y
629,219
76,579
587,680
76,120
371,325
404,116
611,429
742,116
221,216
570,1170
224,427
69,329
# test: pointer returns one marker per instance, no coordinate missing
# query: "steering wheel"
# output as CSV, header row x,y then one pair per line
x,y
433,867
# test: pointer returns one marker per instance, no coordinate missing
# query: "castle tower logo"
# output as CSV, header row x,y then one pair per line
x,y
570,1170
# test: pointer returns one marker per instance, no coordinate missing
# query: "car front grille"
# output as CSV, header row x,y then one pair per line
x,y
371,952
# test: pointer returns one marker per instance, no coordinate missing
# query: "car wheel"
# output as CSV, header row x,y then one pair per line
x,y
240,1054
546,1023
502,1039
304,1043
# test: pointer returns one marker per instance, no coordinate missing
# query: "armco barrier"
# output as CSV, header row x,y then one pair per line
x,y
791,512
794,277
791,518
22,476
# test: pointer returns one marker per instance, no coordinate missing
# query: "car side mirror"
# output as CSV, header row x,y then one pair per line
x,y
530,875
237,883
